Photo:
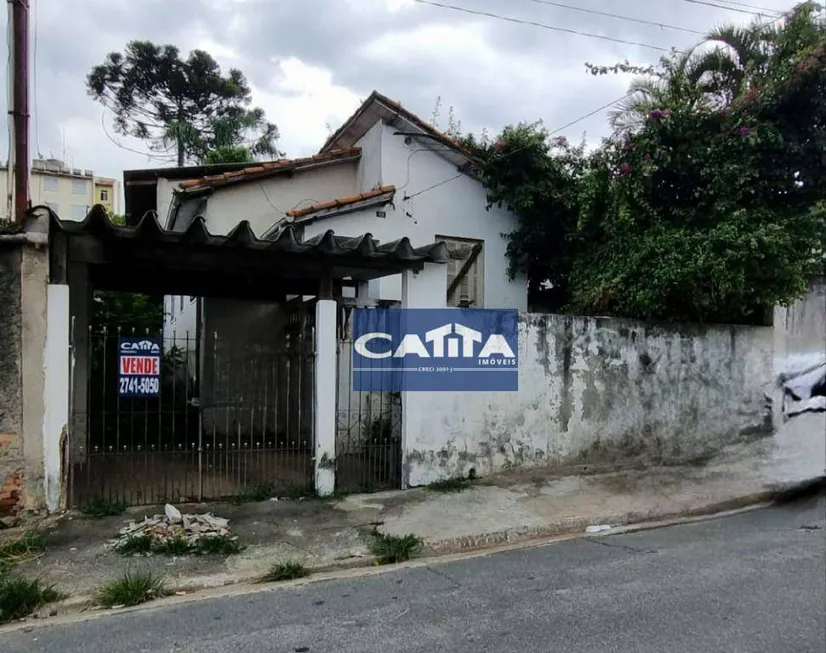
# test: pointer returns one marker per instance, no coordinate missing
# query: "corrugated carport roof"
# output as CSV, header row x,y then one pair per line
x,y
150,256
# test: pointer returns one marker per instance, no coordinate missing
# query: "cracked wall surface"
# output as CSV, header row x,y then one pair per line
x,y
23,279
600,390
12,463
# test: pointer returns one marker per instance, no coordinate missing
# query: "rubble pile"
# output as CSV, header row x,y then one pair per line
x,y
161,531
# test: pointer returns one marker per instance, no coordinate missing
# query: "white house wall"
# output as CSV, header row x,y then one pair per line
x,y
370,166
265,202
455,209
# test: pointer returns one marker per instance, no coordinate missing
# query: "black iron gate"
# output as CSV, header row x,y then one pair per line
x,y
368,427
232,418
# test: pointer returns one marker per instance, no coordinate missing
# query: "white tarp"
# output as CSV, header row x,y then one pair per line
x,y
803,379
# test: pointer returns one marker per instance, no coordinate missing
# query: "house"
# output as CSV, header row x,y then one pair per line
x,y
69,192
384,171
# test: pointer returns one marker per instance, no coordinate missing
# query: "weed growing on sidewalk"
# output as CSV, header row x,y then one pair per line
x,y
178,546
135,545
450,485
19,597
286,570
390,549
218,545
18,549
99,506
132,589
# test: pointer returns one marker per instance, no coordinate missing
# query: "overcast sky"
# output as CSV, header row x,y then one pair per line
x,y
309,62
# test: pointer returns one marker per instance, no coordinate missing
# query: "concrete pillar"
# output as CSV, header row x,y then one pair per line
x,y
80,311
424,289
56,366
324,401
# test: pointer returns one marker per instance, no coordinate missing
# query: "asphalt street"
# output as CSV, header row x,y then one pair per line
x,y
754,582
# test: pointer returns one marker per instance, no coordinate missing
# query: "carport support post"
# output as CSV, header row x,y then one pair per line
x,y
324,401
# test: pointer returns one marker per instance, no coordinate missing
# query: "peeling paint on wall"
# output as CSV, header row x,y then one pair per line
x,y
11,401
599,390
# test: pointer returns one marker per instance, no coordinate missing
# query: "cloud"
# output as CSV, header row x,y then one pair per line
x,y
310,61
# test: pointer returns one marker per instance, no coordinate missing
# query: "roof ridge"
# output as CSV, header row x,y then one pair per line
x,y
395,105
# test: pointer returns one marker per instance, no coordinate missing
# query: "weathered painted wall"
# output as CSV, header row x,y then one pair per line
x,y
34,366
23,277
12,463
802,325
596,390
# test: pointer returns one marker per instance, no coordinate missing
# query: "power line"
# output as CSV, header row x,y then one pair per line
x,y
717,6
167,158
519,21
758,9
588,115
617,16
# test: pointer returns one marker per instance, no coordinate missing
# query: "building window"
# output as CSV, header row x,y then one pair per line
x,y
104,195
465,272
78,211
54,207
79,187
50,184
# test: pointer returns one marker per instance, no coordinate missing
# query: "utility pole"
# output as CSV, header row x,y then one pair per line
x,y
19,19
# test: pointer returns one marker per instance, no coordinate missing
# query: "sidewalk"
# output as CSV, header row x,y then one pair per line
x,y
507,508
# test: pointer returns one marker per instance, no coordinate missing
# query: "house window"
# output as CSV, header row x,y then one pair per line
x,y
465,272
50,184
54,207
78,187
104,195
78,211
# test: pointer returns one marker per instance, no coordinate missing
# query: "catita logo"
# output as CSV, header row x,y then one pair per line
x,y
454,349
142,346
411,343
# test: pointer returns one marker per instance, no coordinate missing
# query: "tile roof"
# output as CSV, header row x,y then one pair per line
x,y
269,168
398,109
342,201
287,241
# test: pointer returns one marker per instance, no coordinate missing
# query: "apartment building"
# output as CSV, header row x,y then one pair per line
x,y
69,192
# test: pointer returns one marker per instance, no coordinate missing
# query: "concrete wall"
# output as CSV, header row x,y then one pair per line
x,y
801,326
599,390
23,282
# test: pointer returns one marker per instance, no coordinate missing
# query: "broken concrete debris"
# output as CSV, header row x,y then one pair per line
x,y
173,526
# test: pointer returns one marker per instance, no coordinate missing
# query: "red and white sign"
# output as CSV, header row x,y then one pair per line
x,y
140,366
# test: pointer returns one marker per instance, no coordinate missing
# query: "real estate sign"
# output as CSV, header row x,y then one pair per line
x,y
139,367
452,349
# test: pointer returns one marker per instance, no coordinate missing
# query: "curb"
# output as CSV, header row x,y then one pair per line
x,y
784,493
78,607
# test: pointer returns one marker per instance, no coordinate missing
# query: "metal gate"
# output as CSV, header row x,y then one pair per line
x,y
232,418
368,427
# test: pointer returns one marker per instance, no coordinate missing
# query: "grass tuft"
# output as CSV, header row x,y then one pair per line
x,y
218,545
286,570
19,597
132,589
99,506
390,549
178,546
19,548
450,485
135,545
